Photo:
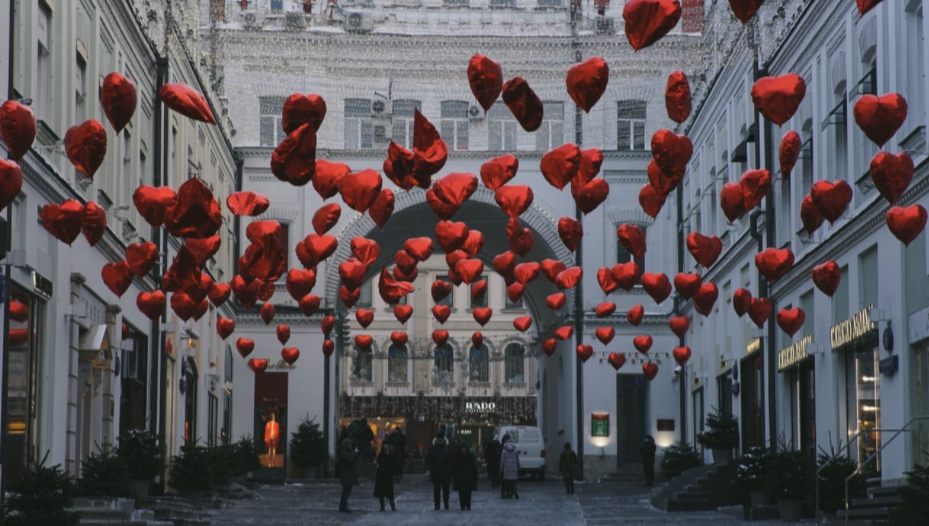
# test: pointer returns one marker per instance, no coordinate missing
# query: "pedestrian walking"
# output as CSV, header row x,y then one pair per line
x,y
384,479
347,474
492,457
648,459
509,469
398,448
566,465
464,472
438,460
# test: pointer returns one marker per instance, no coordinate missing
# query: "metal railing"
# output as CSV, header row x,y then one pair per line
x,y
842,450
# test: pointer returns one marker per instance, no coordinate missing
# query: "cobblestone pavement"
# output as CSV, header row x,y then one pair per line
x,y
540,504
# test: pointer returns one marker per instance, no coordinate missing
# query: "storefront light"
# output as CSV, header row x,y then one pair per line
x,y
871,379
869,408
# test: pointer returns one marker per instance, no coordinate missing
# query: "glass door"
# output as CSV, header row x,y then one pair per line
x,y
19,419
863,385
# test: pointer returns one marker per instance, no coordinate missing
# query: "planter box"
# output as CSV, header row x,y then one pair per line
x,y
790,510
721,455
140,487
759,497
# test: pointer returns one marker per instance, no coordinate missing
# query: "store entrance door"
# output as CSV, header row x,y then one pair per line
x,y
752,391
631,416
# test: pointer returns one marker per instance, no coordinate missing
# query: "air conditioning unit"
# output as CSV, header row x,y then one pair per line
x,y
358,22
294,21
605,26
381,108
475,112
382,131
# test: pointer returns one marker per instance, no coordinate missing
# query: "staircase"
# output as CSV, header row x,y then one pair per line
x,y
710,491
870,511
114,512
177,511
628,475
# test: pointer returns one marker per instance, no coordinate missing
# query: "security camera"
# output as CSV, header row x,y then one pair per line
x,y
192,333
678,369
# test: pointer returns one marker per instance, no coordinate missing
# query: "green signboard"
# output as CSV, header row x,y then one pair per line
x,y
599,424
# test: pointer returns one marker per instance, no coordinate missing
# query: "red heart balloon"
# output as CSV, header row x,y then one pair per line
x,y
663,183
505,263
316,248
647,21
790,320
193,213
635,315
391,290
93,222
671,152
309,304
605,280
564,332
605,309
679,325
651,200
777,98
866,5
219,293
774,263
744,9
892,174
656,285
732,201
616,360
327,177
246,293
440,337
704,249
382,208
473,243
302,109
245,346
482,315
485,76
586,82
152,203
141,257
906,223
327,324
440,290
741,301
300,282
399,338
556,301
183,274
650,370
224,327
290,355
62,221
499,171
571,232
569,277
455,188
642,343
605,334
419,248
364,317
182,305
677,97
527,272
258,365
352,273
514,200
469,269
831,199
441,312
549,346
403,313
626,275
151,304
519,237
17,127
248,204
880,117
515,291
584,352
810,216
477,340
755,184
117,277
591,195
523,103
11,182
478,290
119,99
759,311
199,292
687,284
85,145
705,298
827,277
551,268
328,348
283,333
364,341
451,235
681,355
561,165
186,101
408,169
522,323
360,190
632,238
267,312
366,250
788,153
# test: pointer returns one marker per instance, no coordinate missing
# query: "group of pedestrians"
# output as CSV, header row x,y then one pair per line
x,y
454,467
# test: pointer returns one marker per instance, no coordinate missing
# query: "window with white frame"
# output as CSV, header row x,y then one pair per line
x,y
397,360
364,297
455,123
479,363
359,130
43,100
80,89
514,364
450,299
630,124
402,123
362,365
272,130
444,358
501,127
624,256
551,134
916,66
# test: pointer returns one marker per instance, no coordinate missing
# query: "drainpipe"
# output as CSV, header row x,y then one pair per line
x,y
682,379
578,260
159,356
772,321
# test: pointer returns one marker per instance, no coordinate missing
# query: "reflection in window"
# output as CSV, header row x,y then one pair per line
x,y
362,365
514,363
479,363
444,358
397,364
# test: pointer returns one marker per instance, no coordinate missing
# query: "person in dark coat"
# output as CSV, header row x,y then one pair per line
x,y
347,474
509,468
464,475
567,465
398,448
384,480
438,460
648,459
492,456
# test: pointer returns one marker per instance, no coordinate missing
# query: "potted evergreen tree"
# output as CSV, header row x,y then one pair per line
x,y
721,436
244,459
138,450
750,475
308,447
40,496
787,477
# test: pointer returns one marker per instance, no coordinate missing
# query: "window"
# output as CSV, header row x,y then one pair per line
x,y
218,10
514,364
624,256
479,302
212,416
362,365
403,122
551,134
397,364
455,124
630,125
915,69
277,6
549,3
509,304
806,304
364,299
80,90
285,242
444,358
43,102
501,127
479,363
450,299
272,131
359,130
456,3
840,309
867,278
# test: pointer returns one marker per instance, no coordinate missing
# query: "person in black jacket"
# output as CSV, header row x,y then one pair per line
x,y
384,480
398,448
464,473
492,456
648,459
438,460
347,474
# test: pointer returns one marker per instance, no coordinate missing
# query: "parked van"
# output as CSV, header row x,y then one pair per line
x,y
529,445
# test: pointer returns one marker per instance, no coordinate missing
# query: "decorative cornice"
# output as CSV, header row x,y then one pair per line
x,y
629,215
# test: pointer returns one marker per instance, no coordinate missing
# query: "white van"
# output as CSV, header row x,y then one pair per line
x,y
530,445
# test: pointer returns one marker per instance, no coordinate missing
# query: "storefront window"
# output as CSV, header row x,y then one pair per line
x,y
515,356
921,443
480,364
22,380
362,365
397,364
864,404
444,358
270,422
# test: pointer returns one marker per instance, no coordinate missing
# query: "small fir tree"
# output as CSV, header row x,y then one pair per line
x,y
307,444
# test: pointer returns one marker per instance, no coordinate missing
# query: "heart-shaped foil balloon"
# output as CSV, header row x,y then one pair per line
x,y
505,264
364,317
704,249
643,343
591,195
151,304
117,277
352,273
755,184
300,282
119,99
290,355
219,293
635,315
741,301
247,203
744,9
514,200
403,313
679,325
560,165
366,250
584,352
569,277
549,346
892,174
564,332
455,188
831,199
360,190
657,285
586,82
183,274
616,360
515,291
193,213
315,248
647,21
309,304
687,284
570,232
632,238
185,307
399,338
420,248
906,223
93,222
866,5
62,221
788,153
224,327
302,109
482,315
392,291
677,97
880,117
499,171
681,355
827,277
477,340
523,103
267,312
440,337
408,169
17,127
809,215
478,291
651,200
705,298
141,257
605,334
294,160
326,325
328,348
664,183
790,320
777,98
551,268
626,275
152,203
732,201
382,207
327,177
451,235
85,145
11,182
650,370
326,217
187,101
556,301
258,365
527,272
485,77
774,263
469,269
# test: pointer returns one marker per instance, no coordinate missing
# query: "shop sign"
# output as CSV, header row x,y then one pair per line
x,y
42,285
753,347
599,424
665,424
852,329
281,365
480,407
793,354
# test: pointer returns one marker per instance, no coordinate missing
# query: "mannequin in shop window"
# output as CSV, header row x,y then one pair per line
x,y
272,438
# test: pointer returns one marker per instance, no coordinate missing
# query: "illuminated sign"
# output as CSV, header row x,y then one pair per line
x,y
599,424
794,354
755,346
480,407
852,329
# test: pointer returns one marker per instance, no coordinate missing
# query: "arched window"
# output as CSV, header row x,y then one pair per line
x,y
397,364
362,365
514,363
479,363
444,358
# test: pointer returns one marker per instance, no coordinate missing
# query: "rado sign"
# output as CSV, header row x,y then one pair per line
x,y
853,329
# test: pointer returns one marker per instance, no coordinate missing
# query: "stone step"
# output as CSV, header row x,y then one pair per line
x,y
695,505
103,514
103,502
126,523
888,501
881,491
877,513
